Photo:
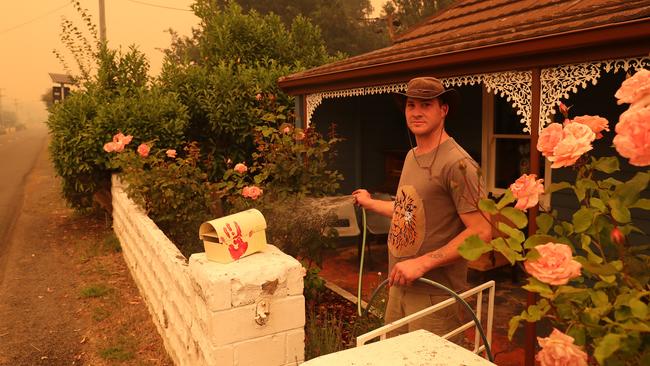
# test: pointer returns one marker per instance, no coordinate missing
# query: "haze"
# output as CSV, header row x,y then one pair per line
x,y
30,29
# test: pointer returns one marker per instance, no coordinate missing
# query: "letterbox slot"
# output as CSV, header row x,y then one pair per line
x,y
211,237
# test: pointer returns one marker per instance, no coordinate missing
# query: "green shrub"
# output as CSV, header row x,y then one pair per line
x,y
231,59
174,191
115,101
289,166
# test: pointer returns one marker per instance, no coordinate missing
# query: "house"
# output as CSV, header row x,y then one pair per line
x,y
513,62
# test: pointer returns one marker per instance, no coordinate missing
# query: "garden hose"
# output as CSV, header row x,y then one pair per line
x,y
421,279
363,251
452,293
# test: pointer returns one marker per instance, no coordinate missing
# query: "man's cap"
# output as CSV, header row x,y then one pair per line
x,y
430,88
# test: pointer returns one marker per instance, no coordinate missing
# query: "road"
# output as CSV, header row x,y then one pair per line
x,y
18,154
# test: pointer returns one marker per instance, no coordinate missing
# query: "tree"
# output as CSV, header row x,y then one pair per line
x,y
407,13
345,24
114,95
8,119
227,70
47,98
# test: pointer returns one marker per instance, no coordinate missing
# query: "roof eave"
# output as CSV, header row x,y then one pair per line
x,y
522,50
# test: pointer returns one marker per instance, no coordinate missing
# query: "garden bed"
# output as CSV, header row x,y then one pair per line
x,y
332,324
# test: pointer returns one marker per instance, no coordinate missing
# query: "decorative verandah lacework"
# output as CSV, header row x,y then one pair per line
x,y
512,85
558,82
515,86
314,100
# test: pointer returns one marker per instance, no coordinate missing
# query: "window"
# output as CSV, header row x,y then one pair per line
x,y
506,148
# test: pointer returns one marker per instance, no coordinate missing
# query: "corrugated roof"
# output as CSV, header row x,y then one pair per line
x,y
61,78
472,24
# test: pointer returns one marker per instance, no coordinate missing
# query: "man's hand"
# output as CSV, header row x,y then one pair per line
x,y
404,273
362,198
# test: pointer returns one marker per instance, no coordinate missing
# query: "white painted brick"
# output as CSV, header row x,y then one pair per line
x,y
200,312
265,273
224,356
176,323
178,348
184,285
209,355
185,308
295,346
268,351
295,279
238,324
261,274
200,339
211,285
197,298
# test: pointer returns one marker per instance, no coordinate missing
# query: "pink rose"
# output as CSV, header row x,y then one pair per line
x,y
576,140
527,190
634,87
171,153
596,123
240,168
559,349
300,136
119,137
120,141
286,130
252,192
632,138
110,146
143,150
548,139
642,102
555,265
258,96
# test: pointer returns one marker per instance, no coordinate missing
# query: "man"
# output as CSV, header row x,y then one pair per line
x,y
435,210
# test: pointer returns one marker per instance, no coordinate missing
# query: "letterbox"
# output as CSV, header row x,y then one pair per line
x,y
231,237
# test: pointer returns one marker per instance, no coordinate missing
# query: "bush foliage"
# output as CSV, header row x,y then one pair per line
x,y
231,59
114,101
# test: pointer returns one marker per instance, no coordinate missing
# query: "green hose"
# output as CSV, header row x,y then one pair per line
x,y
488,351
452,293
363,251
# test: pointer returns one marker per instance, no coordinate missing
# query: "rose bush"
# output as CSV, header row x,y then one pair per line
x,y
172,189
289,165
592,281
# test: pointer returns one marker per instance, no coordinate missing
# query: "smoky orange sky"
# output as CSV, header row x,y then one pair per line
x,y
30,30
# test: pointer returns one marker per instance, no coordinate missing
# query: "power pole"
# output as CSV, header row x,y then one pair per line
x,y
102,22
1,123
16,111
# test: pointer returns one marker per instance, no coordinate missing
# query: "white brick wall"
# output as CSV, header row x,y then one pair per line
x,y
205,311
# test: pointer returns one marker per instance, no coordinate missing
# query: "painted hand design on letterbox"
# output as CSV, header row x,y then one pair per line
x,y
236,244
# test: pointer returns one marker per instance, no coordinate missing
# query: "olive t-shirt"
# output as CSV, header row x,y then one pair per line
x,y
428,202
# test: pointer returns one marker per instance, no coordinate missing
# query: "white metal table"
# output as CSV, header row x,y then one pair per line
x,y
416,348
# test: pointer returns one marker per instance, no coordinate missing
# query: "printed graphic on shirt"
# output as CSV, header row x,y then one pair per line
x,y
408,223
